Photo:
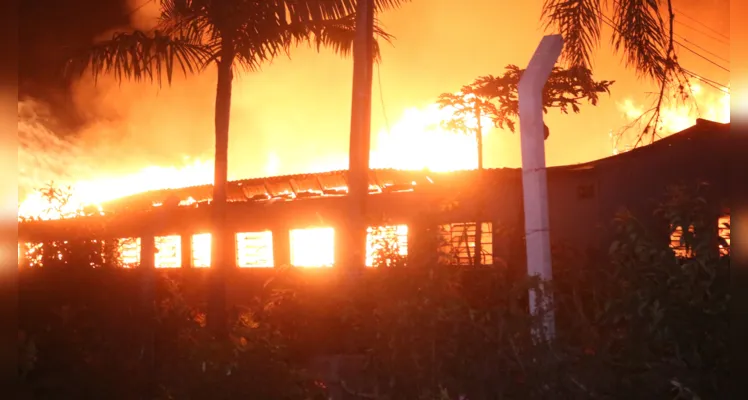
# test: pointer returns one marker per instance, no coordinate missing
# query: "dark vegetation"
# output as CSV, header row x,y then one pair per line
x,y
642,323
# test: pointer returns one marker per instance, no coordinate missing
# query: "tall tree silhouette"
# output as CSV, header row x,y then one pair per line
x,y
228,34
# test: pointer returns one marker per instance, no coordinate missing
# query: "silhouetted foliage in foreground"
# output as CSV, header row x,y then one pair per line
x,y
644,324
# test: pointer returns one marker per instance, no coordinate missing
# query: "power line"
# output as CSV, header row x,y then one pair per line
x,y
702,56
716,85
702,32
706,81
610,23
701,23
381,99
703,49
139,7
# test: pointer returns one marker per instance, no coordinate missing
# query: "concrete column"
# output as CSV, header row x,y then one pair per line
x,y
147,252
230,247
423,243
186,248
281,246
534,181
343,243
148,298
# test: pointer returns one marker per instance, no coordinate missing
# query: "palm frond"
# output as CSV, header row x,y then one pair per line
x,y
139,55
642,35
186,18
273,35
579,22
263,35
339,35
316,10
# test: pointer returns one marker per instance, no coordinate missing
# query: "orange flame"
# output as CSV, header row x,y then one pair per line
x,y
707,103
417,141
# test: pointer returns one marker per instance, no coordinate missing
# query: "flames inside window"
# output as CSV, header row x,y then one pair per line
x,y
678,242
314,247
201,250
129,252
254,249
679,245
458,243
724,233
168,252
386,245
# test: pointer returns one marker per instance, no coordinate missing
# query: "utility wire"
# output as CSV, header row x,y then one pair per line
x,y
723,41
381,99
702,56
703,49
722,88
701,23
610,23
137,8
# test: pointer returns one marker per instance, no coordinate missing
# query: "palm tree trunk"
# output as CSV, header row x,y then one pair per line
x,y
220,248
360,135
478,251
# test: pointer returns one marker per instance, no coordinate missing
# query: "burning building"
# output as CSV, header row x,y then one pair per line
x,y
298,219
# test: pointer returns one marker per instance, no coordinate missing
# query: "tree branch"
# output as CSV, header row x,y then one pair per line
x,y
498,96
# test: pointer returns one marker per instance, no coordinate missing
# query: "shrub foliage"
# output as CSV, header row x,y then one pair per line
x,y
639,323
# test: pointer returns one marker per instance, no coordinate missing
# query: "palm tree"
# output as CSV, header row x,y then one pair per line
x,y
496,97
642,32
194,34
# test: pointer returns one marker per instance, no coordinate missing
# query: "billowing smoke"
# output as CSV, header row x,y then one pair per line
x,y
293,116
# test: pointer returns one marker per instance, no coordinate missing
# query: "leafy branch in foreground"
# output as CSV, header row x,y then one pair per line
x,y
640,32
498,96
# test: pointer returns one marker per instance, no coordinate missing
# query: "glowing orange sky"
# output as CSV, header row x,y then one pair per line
x,y
294,114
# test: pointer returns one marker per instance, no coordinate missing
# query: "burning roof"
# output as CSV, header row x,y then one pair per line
x,y
292,187
334,183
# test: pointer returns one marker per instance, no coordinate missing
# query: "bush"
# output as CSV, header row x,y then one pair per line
x,y
640,323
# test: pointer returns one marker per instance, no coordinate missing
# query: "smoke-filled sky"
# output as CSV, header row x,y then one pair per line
x,y
294,114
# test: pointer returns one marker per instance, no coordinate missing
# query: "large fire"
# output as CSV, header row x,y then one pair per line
x,y
419,128
439,150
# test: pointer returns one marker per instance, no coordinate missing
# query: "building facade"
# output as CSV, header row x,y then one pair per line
x,y
300,219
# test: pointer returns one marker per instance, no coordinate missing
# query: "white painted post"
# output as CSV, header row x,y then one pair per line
x,y
534,183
